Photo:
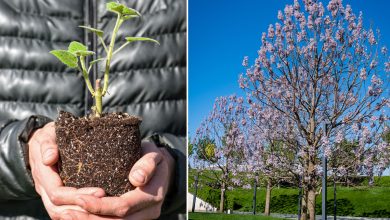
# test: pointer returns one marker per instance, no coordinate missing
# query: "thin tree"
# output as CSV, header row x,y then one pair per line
x,y
222,126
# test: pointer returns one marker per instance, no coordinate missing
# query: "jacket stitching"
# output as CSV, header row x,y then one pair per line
x,y
79,74
37,103
109,106
67,41
43,71
147,102
37,39
51,15
147,68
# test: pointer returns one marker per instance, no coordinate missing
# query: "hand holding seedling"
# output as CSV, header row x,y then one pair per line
x,y
75,56
151,175
144,202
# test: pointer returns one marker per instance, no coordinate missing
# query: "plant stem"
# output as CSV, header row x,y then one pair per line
x,y
98,99
85,75
120,48
118,23
104,44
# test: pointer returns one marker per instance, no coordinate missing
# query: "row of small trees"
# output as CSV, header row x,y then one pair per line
x,y
318,87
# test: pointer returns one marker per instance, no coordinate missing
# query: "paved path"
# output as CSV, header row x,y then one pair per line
x,y
287,216
318,217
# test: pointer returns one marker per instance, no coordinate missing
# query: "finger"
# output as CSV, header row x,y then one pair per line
x,y
53,210
148,213
49,152
143,170
95,191
68,195
116,206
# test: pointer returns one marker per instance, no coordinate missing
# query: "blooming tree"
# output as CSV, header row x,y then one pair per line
x,y
321,70
222,128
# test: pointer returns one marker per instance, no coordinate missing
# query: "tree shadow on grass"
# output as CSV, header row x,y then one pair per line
x,y
377,214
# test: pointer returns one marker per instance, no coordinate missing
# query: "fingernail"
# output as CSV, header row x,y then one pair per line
x,y
139,176
98,193
48,154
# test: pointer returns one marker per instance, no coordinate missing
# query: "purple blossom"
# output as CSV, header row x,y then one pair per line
x,y
278,29
271,31
339,137
280,15
373,64
245,61
296,5
340,35
376,81
384,50
288,10
349,16
326,146
355,127
371,37
334,6
387,66
363,74
310,23
318,21
327,20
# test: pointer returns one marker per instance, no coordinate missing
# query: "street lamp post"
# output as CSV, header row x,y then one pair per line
x,y
299,198
324,189
254,194
324,178
334,197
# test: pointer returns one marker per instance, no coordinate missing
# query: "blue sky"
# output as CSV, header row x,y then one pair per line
x,y
222,32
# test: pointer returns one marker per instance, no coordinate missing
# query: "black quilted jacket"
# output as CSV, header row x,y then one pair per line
x,y
146,80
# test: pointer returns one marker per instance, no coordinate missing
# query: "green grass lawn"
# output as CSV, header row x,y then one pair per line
x,y
362,201
219,216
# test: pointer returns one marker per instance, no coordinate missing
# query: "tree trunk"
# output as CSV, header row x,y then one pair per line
x,y
222,202
311,206
268,198
304,205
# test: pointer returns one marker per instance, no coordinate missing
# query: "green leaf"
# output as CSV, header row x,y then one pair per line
x,y
79,49
131,39
75,46
121,9
97,60
66,57
126,17
98,32
84,53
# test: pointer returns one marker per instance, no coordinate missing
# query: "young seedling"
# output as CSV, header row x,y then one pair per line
x,y
75,56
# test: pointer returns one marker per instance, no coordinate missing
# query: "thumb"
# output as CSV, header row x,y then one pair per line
x,y
143,169
49,151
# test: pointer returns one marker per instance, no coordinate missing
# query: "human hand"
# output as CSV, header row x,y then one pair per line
x,y
43,155
151,175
